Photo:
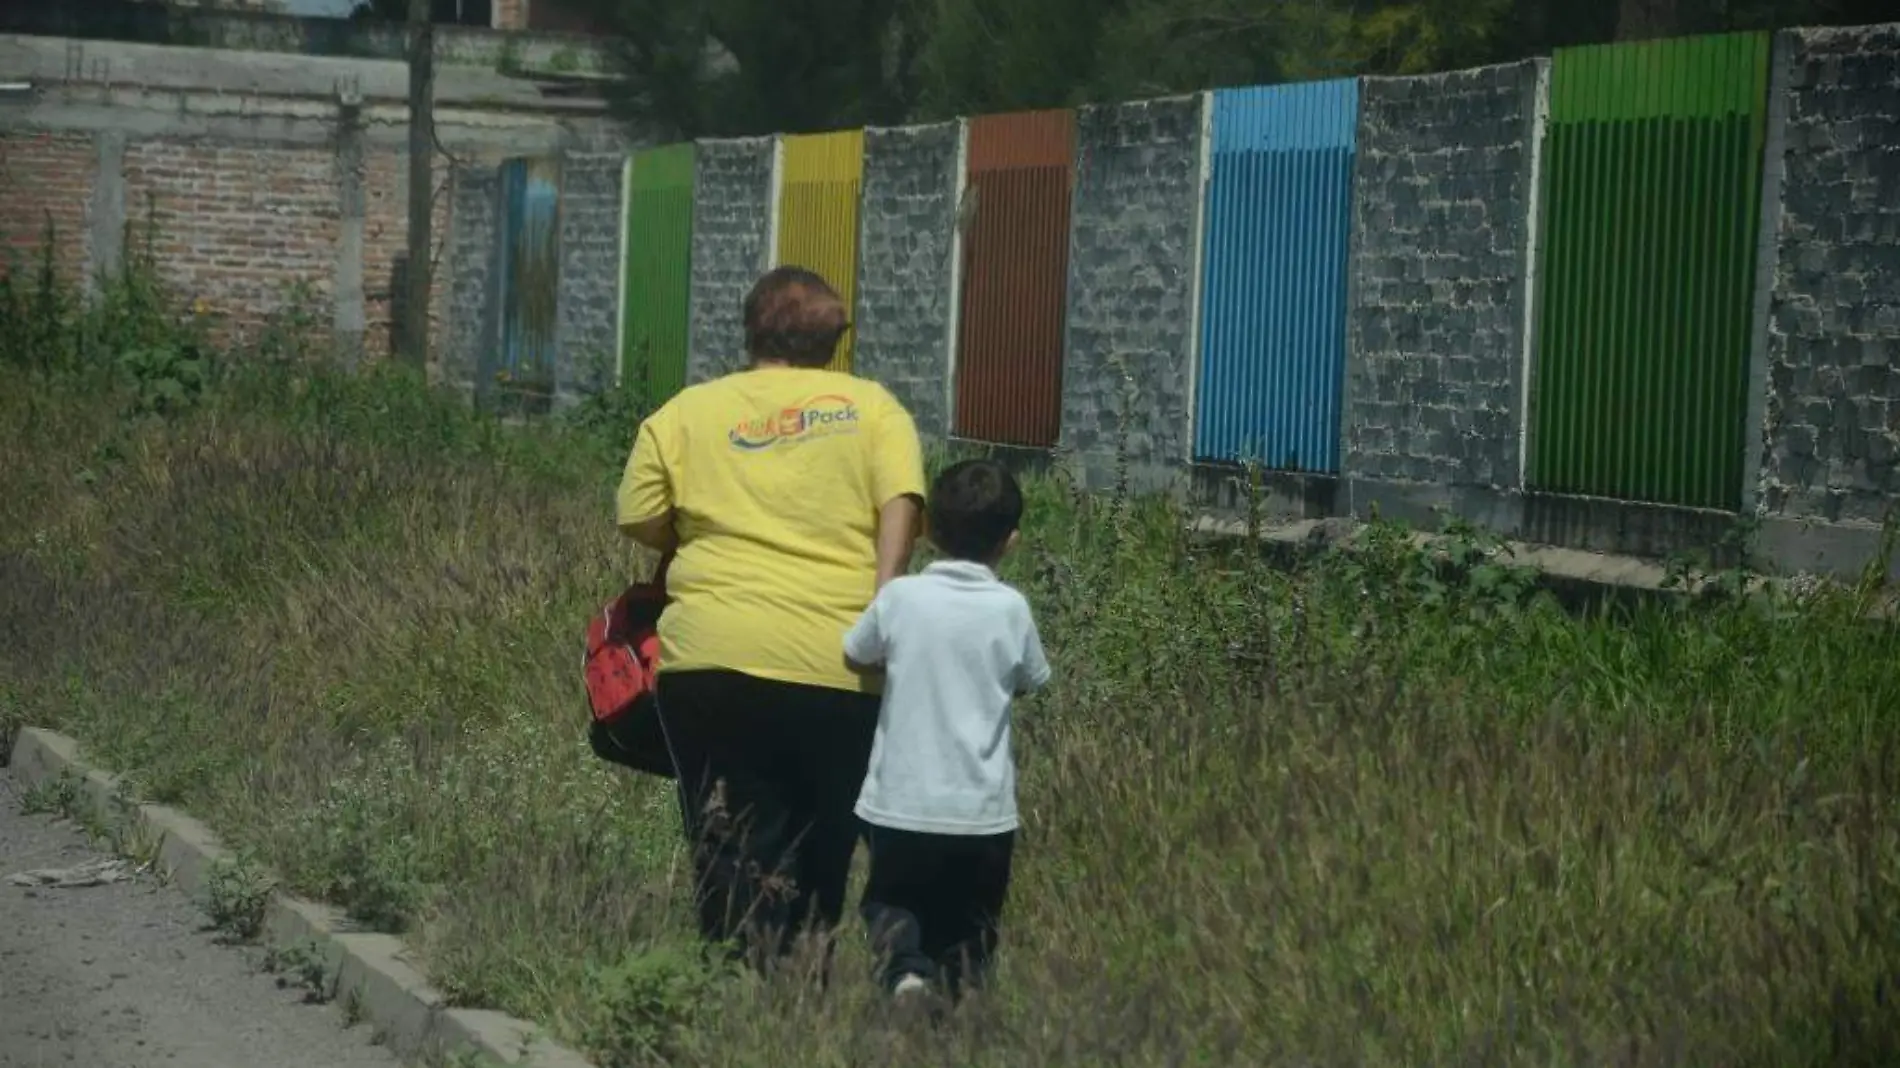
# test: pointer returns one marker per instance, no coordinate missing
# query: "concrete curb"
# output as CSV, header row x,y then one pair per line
x,y
1577,565
375,970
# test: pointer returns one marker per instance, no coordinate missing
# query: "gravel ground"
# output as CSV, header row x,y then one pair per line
x,y
126,976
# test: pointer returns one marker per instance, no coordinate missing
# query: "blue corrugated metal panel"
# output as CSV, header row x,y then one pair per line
x,y
530,273
1273,305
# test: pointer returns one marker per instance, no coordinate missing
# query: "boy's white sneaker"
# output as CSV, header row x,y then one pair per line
x,y
910,986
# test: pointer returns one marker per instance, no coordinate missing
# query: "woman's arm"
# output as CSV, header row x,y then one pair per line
x,y
658,533
896,537
898,480
645,507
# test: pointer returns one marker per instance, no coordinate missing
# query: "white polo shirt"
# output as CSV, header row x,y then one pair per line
x,y
958,645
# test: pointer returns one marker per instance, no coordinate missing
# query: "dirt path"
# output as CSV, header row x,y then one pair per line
x,y
123,976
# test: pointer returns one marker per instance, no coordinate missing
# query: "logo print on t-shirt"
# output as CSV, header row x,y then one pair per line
x,y
826,415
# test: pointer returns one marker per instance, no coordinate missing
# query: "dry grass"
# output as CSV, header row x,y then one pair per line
x,y
1354,814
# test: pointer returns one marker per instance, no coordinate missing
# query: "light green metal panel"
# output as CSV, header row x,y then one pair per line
x,y
658,271
1652,183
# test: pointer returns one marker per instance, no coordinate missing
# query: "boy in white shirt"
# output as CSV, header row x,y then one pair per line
x,y
957,646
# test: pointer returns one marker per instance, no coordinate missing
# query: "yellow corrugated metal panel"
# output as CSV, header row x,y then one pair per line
x,y
825,157
818,213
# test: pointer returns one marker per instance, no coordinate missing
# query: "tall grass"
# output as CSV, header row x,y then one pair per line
x,y
1363,811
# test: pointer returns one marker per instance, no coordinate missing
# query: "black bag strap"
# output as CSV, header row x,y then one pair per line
x,y
660,569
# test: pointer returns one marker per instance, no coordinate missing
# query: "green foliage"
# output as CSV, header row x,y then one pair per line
x,y
649,1005
734,67
237,896
306,965
748,67
1382,803
165,379
57,795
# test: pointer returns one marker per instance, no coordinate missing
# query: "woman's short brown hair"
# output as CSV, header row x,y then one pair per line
x,y
793,314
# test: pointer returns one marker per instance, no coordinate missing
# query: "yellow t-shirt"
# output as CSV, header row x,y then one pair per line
x,y
775,478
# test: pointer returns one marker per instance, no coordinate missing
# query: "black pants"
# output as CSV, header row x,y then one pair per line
x,y
768,775
933,902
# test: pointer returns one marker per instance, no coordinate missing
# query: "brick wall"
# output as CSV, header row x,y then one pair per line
x,y
1832,433
250,230
386,249
905,239
590,271
732,206
45,175
1435,331
1131,274
510,14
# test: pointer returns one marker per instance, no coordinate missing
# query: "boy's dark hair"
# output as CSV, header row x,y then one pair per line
x,y
974,507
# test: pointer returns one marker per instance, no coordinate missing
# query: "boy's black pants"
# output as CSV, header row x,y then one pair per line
x,y
933,902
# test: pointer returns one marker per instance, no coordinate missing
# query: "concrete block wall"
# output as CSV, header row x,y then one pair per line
x,y
256,201
1440,255
1826,392
906,265
470,343
1832,420
586,331
1132,264
732,220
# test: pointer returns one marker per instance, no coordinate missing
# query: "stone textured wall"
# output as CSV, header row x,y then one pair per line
x,y
1131,281
1832,433
906,236
732,204
588,328
467,349
1435,332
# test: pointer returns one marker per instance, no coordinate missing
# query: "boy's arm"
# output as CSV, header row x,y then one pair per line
x,y
896,537
864,642
1032,673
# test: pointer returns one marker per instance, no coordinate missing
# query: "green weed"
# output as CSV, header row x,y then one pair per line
x,y
237,896
58,795
306,965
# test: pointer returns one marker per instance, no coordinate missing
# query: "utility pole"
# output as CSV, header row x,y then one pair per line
x,y
421,183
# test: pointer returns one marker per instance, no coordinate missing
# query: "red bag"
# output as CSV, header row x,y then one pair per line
x,y
621,671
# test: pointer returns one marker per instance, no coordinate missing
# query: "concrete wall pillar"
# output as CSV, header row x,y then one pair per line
x,y
350,321
105,211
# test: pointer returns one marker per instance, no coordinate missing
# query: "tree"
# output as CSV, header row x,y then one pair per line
x,y
1642,20
1009,55
1156,47
421,182
695,68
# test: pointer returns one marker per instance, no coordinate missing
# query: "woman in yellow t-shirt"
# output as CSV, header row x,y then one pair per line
x,y
791,493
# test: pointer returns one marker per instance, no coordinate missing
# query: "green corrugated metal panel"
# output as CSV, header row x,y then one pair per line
x,y
1652,182
659,271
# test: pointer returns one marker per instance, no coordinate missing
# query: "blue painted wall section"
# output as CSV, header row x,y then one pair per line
x,y
530,275
1273,317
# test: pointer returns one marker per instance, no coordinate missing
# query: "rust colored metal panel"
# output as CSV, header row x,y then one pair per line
x,y
1016,270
